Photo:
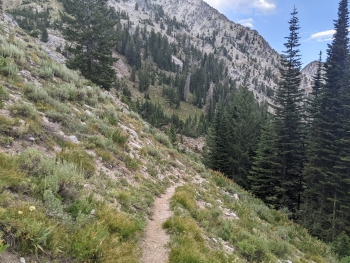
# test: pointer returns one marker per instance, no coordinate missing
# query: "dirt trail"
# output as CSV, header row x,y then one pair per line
x,y
154,243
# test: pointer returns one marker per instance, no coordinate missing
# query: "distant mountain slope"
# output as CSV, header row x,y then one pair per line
x,y
245,52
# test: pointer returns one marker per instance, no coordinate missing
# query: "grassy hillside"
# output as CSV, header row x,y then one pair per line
x,y
80,172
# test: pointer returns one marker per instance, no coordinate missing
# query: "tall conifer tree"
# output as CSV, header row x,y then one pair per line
x,y
264,180
216,154
244,127
233,135
327,169
288,120
283,172
87,25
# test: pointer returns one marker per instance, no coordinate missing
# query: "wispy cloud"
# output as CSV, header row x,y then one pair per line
x,y
244,6
246,22
323,36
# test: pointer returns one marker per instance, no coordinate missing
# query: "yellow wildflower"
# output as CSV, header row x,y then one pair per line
x,y
31,208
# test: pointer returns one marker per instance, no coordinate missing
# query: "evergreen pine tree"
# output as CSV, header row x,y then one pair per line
x,y
243,126
326,211
87,25
144,79
44,35
264,178
216,151
130,52
133,74
282,171
233,135
288,121
171,132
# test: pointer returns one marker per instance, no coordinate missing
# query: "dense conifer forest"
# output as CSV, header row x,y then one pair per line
x,y
299,159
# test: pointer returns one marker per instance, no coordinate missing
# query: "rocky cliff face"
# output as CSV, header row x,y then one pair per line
x,y
244,51
308,72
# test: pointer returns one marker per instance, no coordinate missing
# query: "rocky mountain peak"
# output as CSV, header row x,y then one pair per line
x,y
308,72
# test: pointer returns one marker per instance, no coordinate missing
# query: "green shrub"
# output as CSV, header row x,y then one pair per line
x,y
247,249
117,222
78,156
184,195
254,249
46,71
124,197
86,242
52,203
114,251
55,116
135,116
184,225
163,139
58,92
345,260
6,125
10,175
80,207
131,163
3,246
111,115
6,140
96,141
64,73
12,51
23,110
36,93
31,162
154,152
64,175
219,179
189,245
264,213
69,123
341,245
8,68
227,231
187,253
106,156
119,137
3,96
30,229
279,248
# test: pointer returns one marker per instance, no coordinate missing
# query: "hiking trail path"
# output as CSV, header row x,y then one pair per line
x,y
154,244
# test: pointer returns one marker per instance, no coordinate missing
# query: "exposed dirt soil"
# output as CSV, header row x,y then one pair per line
x,y
154,244
7,257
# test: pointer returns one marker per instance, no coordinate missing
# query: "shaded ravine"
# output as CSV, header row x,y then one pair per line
x,y
154,249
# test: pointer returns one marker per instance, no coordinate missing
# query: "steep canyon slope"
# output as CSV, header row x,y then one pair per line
x,y
81,175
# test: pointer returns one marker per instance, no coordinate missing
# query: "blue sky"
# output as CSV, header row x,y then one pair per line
x,y
270,18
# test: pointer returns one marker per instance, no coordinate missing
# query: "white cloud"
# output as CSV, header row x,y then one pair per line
x,y
244,6
323,36
246,22
264,5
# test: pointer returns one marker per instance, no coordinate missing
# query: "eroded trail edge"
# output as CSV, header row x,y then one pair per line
x,y
154,243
